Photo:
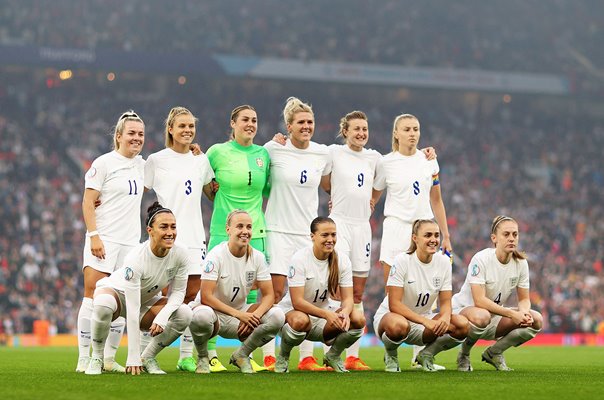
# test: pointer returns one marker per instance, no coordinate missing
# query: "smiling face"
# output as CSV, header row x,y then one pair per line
x,y
324,239
183,132
505,237
245,127
357,134
301,129
239,229
162,232
427,239
130,141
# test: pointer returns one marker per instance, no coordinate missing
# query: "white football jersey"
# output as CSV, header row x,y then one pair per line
x,y
409,180
500,280
352,175
178,180
421,282
120,182
312,274
234,276
295,175
142,277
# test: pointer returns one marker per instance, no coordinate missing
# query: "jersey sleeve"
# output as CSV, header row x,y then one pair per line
x,y
397,273
447,281
345,267
476,272
210,271
150,172
95,176
208,174
296,275
523,280
131,277
379,183
262,270
328,161
434,170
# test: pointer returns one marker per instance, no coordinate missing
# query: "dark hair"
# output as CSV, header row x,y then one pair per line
x,y
332,261
414,230
516,255
153,210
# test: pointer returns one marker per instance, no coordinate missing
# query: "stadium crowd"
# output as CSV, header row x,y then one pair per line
x,y
436,34
540,165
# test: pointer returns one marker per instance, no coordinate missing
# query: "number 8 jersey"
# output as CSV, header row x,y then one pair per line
x,y
312,274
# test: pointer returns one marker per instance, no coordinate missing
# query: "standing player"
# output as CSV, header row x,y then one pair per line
x,y
416,279
242,170
351,183
134,292
179,178
493,274
113,228
297,170
316,273
231,269
413,192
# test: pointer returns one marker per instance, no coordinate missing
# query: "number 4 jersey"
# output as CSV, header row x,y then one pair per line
x,y
307,271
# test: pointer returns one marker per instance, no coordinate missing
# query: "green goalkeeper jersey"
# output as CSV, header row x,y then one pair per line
x,y
242,173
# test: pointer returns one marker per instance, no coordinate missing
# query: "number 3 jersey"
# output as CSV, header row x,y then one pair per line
x,y
421,282
311,273
234,276
500,280
409,180
295,177
119,180
178,180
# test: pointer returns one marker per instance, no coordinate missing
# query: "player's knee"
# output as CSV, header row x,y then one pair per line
x,y
480,317
397,330
299,322
104,306
537,320
357,320
203,317
275,318
181,317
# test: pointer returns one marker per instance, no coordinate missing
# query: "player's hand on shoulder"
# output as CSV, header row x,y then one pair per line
x,y
195,149
430,153
280,138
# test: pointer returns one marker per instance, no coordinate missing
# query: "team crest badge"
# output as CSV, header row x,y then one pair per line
x,y
250,277
292,272
209,267
475,270
259,162
91,173
513,281
392,270
437,281
128,273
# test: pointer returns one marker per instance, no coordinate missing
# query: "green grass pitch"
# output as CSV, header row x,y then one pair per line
x,y
540,373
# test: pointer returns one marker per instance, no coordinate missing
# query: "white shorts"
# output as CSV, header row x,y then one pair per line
x,y
196,256
145,307
114,256
354,240
396,238
416,331
281,248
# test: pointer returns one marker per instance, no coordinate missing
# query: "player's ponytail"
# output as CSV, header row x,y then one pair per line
x,y
152,212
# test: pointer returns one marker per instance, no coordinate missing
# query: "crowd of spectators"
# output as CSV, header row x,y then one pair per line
x,y
511,35
523,158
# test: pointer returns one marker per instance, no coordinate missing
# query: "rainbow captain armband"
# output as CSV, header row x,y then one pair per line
x,y
435,180
446,253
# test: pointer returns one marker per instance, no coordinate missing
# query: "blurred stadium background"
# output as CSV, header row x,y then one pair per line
x,y
510,94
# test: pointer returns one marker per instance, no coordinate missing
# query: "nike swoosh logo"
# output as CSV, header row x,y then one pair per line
x,y
222,277
410,281
308,278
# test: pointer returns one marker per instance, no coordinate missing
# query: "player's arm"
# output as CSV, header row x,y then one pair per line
x,y
91,196
444,302
482,301
438,207
326,183
301,304
396,305
210,190
268,296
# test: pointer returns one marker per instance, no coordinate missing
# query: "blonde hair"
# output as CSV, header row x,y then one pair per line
x,y
345,121
248,250
418,223
169,122
294,105
121,123
235,114
333,280
396,121
516,255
